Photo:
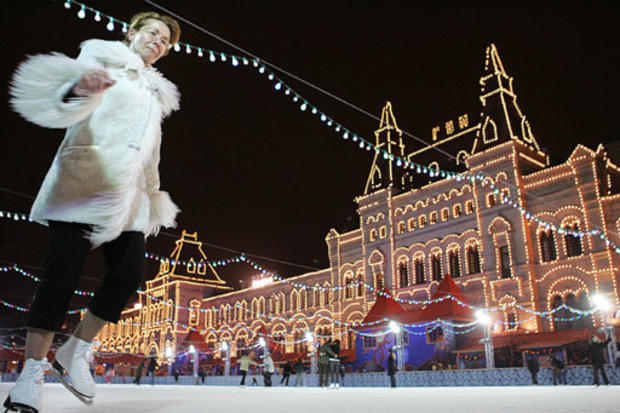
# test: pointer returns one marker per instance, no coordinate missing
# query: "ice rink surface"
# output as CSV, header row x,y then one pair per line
x,y
125,398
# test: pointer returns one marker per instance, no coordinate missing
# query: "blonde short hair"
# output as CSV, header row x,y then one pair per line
x,y
141,19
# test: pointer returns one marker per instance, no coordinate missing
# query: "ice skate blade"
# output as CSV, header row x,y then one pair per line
x,y
17,407
57,371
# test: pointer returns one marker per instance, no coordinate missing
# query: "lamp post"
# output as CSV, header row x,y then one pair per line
x,y
194,352
398,336
226,354
484,319
604,306
313,360
168,354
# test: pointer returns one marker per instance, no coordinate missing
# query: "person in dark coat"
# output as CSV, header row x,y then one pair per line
x,y
300,373
325,352
139,373
533,367
597,357
391,367
286,372
176,375
151,369
559,370
334,365
202,374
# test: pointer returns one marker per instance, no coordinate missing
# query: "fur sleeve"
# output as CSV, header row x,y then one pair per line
x,y
39,85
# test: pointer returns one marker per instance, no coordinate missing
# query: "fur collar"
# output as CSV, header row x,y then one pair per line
x,y
116,53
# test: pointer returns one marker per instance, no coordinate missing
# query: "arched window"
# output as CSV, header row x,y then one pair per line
x,y
473,260
584,305
557,316
360,285
456,210
411,224
422,221
419,271
373,234
403,274
401,227
547,246
445,214
453,259
436,267
433,218
573,242
491,200
571,301
469,207
347,288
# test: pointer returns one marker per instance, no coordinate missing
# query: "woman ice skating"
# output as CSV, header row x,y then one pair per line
x,y
597,357
102,189
244,365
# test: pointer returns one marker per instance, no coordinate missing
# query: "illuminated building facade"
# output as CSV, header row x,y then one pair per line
x,y
412,233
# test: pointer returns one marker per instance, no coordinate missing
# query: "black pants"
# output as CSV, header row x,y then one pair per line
x,y
285,377
392,380
267,377
67,251
243,374
595,369
323,375
334,371
534,377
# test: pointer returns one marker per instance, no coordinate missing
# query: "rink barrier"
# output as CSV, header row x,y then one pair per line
x,y
575,375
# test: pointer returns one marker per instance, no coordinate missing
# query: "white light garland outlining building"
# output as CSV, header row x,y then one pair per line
x,y
414,228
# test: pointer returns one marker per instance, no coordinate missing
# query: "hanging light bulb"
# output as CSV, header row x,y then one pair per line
x,y
110,25
262,69
177,47
124,28
255,62
211,56
188,49
354,138
235,62
271,76
278,86
314,111
245,61
323,117
223,57
295,98
67,4
287,91
303,106
97,17
82,13
337,128
200,54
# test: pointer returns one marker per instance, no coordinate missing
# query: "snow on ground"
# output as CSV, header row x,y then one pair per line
x,y
117,398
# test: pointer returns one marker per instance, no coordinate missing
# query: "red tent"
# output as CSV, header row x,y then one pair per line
x,y
448,308
194,338
385,307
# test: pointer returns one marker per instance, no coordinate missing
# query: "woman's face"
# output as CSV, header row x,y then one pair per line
x,y
150,42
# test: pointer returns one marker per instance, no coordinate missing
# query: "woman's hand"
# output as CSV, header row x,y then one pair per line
x,y
92,81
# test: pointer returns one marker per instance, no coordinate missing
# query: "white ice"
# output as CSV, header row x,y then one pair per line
x,y
124,398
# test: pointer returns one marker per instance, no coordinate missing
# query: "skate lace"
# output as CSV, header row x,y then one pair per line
x,y
86,358
37,372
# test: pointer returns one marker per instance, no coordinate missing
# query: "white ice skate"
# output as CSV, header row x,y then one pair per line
x,y
74,358
25,396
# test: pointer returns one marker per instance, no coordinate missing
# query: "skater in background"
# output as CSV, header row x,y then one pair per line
x,y
559,371
151,369
597,357
268,369
202,374
325,352
139,371
391,367
175,373
300,373
334,365
286,372
244,365
342,373
533,367
102,189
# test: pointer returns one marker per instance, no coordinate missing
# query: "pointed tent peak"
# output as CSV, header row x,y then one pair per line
x,y
492,57
384,307
448,308
388,120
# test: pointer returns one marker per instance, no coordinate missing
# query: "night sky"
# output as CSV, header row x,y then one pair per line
x,y
253,173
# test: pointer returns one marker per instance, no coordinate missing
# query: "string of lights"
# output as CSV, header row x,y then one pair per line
x,y
304,105
546,314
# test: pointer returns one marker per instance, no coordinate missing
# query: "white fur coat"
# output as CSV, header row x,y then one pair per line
x,y
105,172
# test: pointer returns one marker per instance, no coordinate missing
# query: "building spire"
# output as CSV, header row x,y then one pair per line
x,y
388,144
501,118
